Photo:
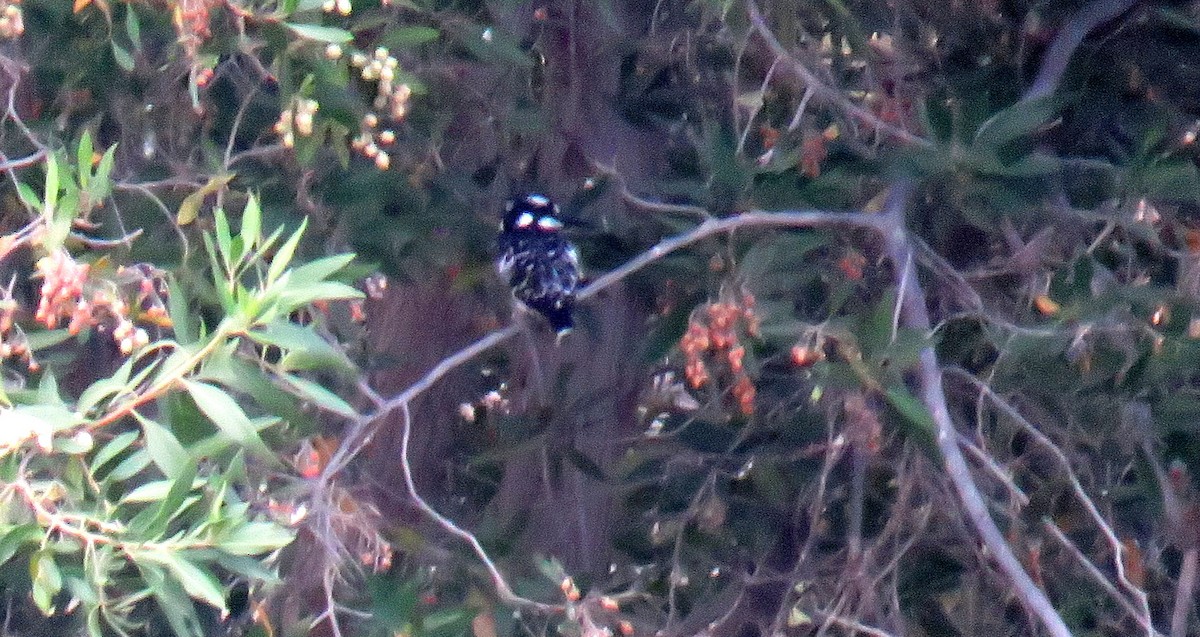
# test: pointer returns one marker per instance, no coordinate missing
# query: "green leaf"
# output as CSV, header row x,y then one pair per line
x,y
28,196
154,491
103,388
228,416
164,449
50,194
178,609
295,297
321,34
189,208
133,27
171,505
43,339
283,258
186,330
586,465
319,396
1019,120
246,566
405,37
83,158
198,581
100,184
1174,180
130,466
447,622
112,450
251,222
304,348
320,269
916,421
255,538
47,580
15,537
123,58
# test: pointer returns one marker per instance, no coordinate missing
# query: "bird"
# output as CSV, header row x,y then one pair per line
x,y
540,264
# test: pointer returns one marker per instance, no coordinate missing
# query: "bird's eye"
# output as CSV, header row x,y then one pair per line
x,y
524,220
549,223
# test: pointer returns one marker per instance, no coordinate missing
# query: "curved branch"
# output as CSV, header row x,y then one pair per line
x,y
1069,37
932,394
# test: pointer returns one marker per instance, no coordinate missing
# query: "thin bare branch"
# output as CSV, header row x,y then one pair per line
x,y
1099,577
1115,544
1069,37
503,590
934,397
1185,590
828,95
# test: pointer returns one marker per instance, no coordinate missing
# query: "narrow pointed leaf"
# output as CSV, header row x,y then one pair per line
x,y
228,416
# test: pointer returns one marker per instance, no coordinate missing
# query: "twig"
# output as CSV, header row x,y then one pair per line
x,y
645,204
364,427
1081,495
503,590
934,397
852,625
1099,577
29,160
826,94
1069,37
1185,588
998,472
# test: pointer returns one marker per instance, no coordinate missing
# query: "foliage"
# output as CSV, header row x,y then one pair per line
x,y
753,430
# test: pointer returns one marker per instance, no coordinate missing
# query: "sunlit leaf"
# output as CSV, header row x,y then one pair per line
x,y
321,397
283,257
189,208
319,33
112,449
228,416
164,449
197,580
319,269
255,538
83,158
47,580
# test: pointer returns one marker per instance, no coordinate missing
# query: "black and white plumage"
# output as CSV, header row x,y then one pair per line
x,y
539,263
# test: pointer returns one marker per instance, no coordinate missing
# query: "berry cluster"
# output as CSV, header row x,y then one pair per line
x,y
390,96
341,7
12,20
383,67
68,294
191,21
712,347
296,119
368,141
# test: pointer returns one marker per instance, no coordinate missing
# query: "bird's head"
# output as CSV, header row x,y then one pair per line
x,y
532,213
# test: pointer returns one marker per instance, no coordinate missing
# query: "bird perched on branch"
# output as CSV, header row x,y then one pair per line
x,y
538,261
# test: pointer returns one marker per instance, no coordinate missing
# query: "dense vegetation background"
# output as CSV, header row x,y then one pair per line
x,y
892,324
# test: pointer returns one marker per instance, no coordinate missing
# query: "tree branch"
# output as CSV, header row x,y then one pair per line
x,y
916,316
817,89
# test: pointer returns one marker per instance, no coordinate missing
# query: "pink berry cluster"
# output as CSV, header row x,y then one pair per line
x,y
712,347
69,295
